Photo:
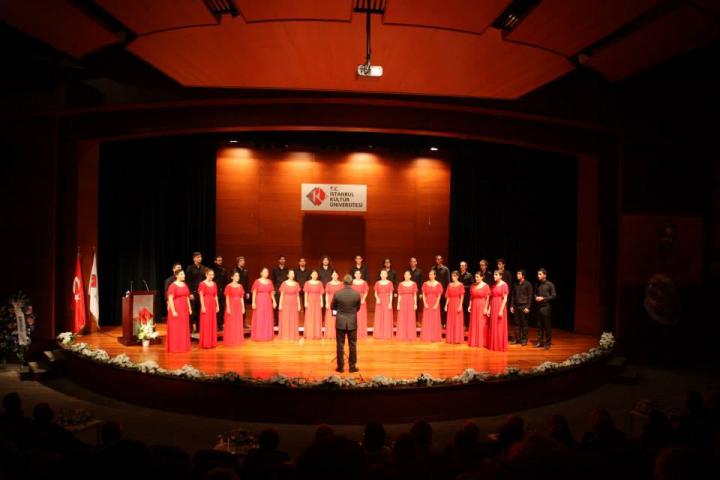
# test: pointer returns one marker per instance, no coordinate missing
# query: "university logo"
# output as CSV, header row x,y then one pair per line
x,y
316,196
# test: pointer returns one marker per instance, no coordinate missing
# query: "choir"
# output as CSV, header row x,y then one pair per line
x,y
479,304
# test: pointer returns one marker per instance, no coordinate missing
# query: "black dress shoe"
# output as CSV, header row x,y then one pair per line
x,y
354,369
513,342
523,343
538,345
339,370
547,346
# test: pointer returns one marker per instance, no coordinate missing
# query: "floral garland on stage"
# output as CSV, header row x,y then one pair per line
x,y
17,322
605,346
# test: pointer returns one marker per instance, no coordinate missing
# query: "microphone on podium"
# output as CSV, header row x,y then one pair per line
x,y
146,285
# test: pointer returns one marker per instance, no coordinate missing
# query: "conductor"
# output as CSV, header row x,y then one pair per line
x,y
345,305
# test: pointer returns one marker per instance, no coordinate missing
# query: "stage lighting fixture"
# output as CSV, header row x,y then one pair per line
x,y
515,13
433,149
233,141
369,7
222,7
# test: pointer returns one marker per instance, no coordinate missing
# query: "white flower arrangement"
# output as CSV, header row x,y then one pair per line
x,y
97,355
469,375
122,360
147,332
78,347
188,371
607,341
148,366
280,380
66,338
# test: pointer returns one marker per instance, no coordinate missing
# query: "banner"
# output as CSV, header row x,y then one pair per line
x,y
93,292
325,197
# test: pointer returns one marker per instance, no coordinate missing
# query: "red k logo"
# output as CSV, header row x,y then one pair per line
x,y
316,196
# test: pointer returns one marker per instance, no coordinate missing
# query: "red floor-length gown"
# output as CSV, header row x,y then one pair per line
x,y
431,330
383,326
330,290
454,326
313,312
498,324
288,317
362,325
478,330
178,328
234,328
407,319
261,329
208,320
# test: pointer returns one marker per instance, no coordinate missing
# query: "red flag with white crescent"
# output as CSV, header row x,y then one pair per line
x,y
78,298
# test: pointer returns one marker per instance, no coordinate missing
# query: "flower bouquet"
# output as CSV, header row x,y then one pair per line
x,y
146,330
17,323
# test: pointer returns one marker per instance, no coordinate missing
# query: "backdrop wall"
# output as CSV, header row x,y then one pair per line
x,y
259,216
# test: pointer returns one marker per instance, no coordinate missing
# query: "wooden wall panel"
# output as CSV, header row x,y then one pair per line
x,y
259,217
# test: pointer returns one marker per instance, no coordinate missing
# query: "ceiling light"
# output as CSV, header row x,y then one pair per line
x,y
233,141
433,149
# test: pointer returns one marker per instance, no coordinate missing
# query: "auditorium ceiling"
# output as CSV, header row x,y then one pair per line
x,y
497,49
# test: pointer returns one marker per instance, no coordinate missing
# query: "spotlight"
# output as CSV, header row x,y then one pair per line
x,y
433,149
233,141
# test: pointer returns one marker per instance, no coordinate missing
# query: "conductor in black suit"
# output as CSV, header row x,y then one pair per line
x,y
345,305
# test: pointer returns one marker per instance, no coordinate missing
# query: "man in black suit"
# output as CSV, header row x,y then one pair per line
x,y
345,305
244,278
359,266
194,274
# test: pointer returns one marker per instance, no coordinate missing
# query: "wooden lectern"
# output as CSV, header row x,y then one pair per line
x,y
132,303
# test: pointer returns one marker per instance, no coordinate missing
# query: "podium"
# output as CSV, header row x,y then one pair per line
x,y
132,304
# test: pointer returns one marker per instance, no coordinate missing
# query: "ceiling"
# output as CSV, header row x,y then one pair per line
x,y
426,47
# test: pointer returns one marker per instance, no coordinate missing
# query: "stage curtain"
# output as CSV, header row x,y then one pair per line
x,y
520,205
157,206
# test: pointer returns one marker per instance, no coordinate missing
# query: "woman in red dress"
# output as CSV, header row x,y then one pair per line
x,y
234,328
479,310
289,308
209,308
432,291
383,326
498,314
361,286
454,326
178,323
313,307
330,288
407,306
263,304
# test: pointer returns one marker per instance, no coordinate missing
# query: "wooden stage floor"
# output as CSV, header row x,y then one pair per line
x,y
314,359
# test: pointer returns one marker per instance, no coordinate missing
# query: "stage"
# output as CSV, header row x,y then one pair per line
x,y
313,361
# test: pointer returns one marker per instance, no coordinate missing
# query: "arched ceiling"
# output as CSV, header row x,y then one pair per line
x,y
426,47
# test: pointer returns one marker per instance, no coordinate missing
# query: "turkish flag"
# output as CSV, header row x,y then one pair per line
x,y
78,298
